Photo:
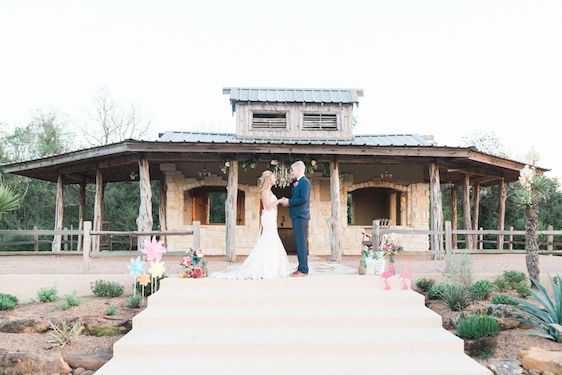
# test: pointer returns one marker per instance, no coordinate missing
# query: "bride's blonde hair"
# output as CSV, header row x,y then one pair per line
x,y
262,181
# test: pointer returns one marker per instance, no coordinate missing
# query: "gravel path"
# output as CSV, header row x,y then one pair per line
x,y
422,264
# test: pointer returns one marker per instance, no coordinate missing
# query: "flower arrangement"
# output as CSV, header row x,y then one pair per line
x,y
390,247
194,266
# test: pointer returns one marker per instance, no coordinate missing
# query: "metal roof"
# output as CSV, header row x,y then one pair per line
x,y
358,140
293,95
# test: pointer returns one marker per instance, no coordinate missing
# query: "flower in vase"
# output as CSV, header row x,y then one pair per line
x,y
186,261
274,162
199,253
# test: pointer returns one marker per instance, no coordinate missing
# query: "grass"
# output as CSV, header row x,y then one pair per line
x,y
504,299
64,334
457,297
477,326
112,310
134,302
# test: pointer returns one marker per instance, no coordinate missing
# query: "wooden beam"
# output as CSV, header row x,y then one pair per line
x,y
436,208
476,209
403,208
230,210
335,220
59,214
81,212
454,214
466,210
98,209
144,220
501,210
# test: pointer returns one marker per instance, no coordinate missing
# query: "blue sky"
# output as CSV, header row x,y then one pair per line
x,y
445,68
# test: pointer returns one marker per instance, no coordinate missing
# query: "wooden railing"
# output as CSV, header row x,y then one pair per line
x,y
86,235
445,239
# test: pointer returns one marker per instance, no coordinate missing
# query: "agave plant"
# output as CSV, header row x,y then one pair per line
x,y
9,200
546,313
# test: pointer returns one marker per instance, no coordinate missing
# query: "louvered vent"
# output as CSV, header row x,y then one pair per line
x,y
320,121
269,121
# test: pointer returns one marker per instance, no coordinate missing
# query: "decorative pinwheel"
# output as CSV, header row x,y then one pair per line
x,y
153,249
136,266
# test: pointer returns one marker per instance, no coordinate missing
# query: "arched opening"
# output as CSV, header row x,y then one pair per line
x,y
372,203
207,205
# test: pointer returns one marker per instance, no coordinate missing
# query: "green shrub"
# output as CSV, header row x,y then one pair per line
x,y
523,289
481,289
47,294
108,289
8,301
457,297
504,299
134,302
501,284
545,313
111,311
424,284
513,278
436,291
70,300
477,326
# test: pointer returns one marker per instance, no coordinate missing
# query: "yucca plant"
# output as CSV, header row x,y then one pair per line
x,y
546,314
9,200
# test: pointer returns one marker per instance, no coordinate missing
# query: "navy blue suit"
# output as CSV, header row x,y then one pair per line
x,y
299,211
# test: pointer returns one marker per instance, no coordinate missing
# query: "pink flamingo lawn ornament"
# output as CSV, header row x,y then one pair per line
x,y
405,276
387,275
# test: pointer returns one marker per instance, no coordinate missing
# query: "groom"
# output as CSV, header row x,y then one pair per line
x,y
299,211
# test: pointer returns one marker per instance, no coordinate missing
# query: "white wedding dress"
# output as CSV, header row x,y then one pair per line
x,y
268,259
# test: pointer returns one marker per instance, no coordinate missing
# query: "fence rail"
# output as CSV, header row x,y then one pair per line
x,y
446,236
86,236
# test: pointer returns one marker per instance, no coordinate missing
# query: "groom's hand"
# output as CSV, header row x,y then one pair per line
x,y
284,202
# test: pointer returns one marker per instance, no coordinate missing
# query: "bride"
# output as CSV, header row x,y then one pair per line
x,y
268,259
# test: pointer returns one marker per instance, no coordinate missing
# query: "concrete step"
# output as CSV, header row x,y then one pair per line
x,y
287,316
346,363
286,341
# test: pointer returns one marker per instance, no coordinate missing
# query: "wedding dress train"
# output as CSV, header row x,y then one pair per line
x,y
268,259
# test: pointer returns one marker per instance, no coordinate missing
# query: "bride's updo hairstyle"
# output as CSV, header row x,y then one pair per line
x,y
262,181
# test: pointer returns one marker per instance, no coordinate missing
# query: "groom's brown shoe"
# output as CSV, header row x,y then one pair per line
x,y
298,274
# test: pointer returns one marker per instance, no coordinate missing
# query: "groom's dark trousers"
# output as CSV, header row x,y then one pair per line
x,y
299,210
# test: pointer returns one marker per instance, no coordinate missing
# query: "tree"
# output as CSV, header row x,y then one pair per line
x,y
112,123
487,142
535,189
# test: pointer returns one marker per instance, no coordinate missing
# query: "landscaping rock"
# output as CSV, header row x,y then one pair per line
x,y
543,360
88,372
79,371
534,371
23,325
97,326
88,361
20,363
507,368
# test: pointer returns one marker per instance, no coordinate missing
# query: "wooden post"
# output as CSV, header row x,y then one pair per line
x,y
376,235
476,209
448,238
335,219
144,220
466,210
98,209
81,213
59,214
511,239
454,214
550,239
481,240
501,210
86,246
196,235
230,208
403,209
36,239
65,240
436,208
392,208
162,212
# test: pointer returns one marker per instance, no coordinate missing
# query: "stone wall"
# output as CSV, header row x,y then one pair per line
x,y
415,214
